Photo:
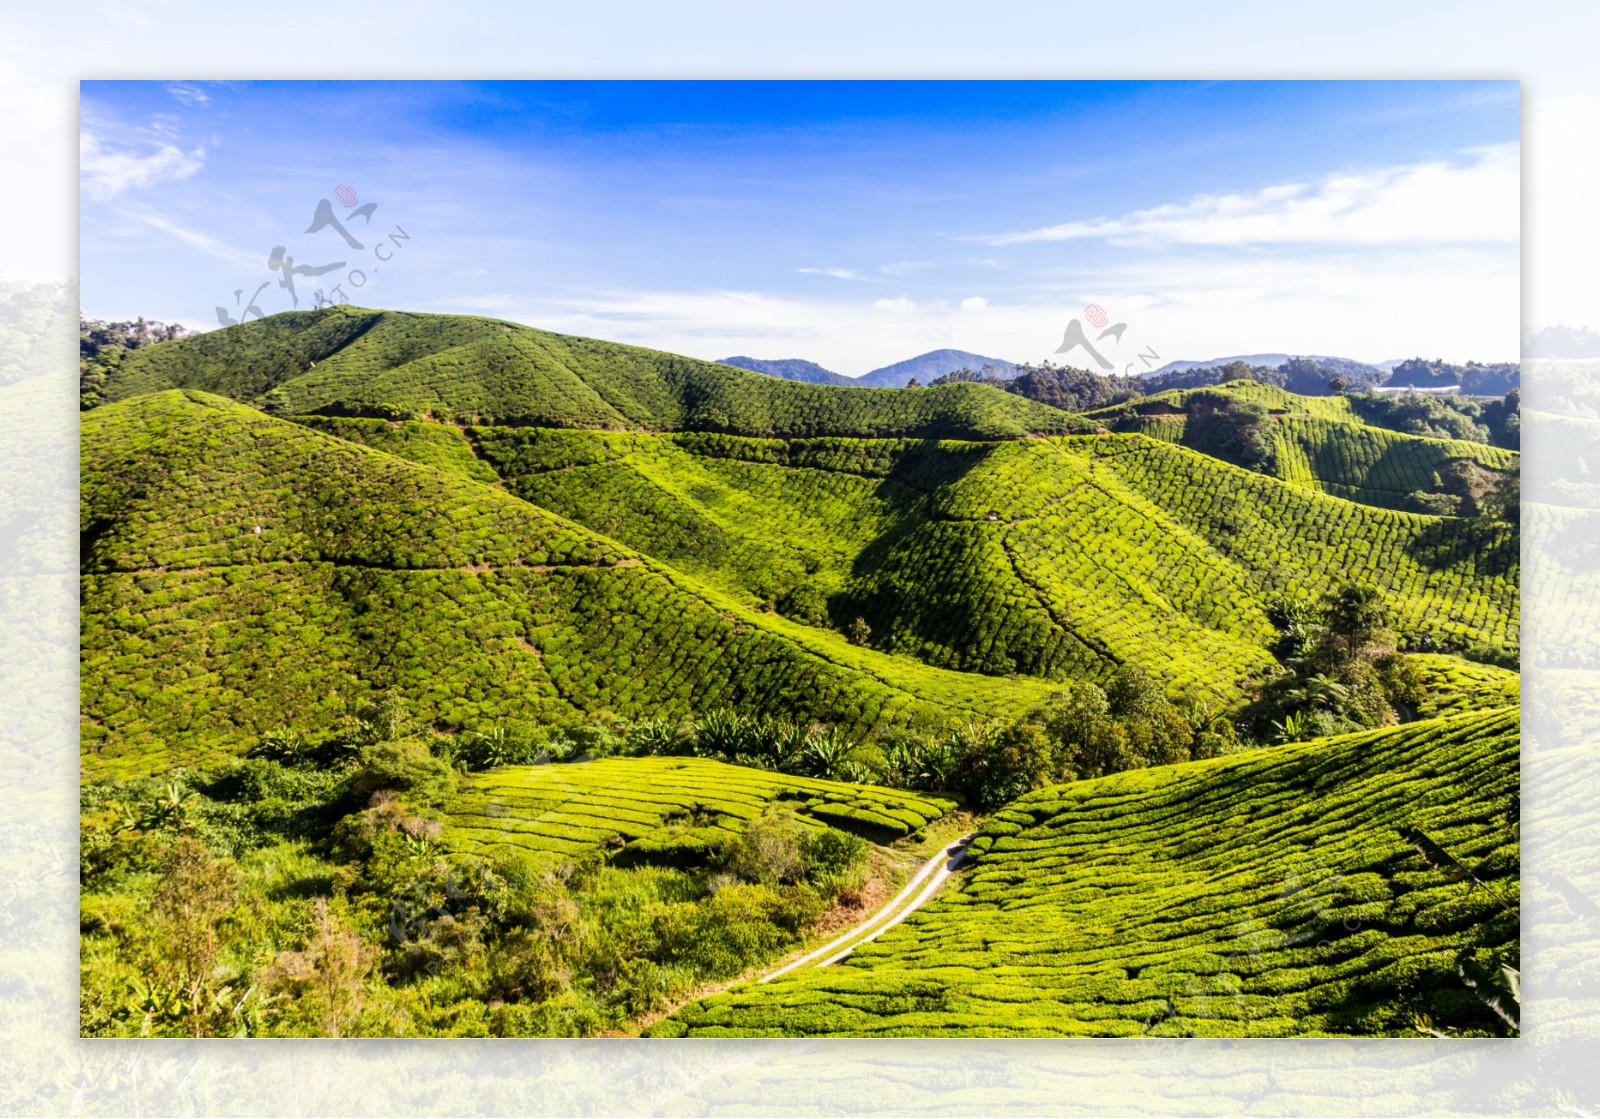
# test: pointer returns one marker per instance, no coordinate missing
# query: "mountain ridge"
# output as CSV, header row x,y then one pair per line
x,y
398,364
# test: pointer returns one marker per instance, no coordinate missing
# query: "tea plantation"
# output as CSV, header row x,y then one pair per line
x,y
1331,887
661,810
1049,557
1316,442
240,570
341,568
398,365
242,573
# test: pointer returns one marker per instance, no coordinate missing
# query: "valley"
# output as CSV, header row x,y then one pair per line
x,y
560,687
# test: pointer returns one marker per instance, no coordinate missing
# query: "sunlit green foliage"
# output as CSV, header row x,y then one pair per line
x,y
1322,443
437,445
668,810
1272,893
398,365
317,896
243,573
1452,685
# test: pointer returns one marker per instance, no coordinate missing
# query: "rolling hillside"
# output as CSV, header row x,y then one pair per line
x,y
1047,557
491,570
393,364
1318,442
242,572
1268,894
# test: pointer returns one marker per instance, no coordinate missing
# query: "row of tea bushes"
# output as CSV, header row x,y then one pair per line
x,y
1295,890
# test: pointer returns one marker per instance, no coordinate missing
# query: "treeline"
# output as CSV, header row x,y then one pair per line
x,y
1473,378
1080,390
1451,416
102,346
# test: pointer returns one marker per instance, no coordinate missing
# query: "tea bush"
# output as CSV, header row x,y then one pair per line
x,y
1271,893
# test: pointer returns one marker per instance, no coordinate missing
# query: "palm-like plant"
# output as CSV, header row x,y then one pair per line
x,y
826,754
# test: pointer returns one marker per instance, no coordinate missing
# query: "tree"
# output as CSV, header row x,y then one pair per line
x,y
326,978
195,893
1504,501
858,632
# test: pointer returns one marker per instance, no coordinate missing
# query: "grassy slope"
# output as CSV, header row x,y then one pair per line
x,y
1454,685
1276,400
1049,557
199,631
394,364
1320,441
665,809
1268,893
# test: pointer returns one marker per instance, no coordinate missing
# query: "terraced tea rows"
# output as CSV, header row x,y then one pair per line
x,y
1278,401
668,810
1318,442
1271,893
243,573
1451,579
397,365
1452,686
437,445
1029,557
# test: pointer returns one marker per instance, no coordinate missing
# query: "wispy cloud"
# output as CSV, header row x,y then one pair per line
x,y
836,273
1471,200
190,93
107,168
238,258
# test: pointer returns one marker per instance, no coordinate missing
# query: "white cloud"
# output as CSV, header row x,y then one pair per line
x,y
904,267
1473,200
106,170
1451,302
975,303
836,273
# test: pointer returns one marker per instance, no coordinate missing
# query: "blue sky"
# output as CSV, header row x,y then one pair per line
x,y
852,223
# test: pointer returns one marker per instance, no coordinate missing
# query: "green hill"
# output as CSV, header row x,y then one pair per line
x,y
669,810
1277,401
665,574
1272,893
1316,441
1048,557
393,364
242,572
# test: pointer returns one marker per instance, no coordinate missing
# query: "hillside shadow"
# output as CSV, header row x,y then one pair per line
x,y
1398,460
911,489
1492,548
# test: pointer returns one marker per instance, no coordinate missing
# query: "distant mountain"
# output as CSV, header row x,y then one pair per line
x,y
790,369
935,363
1346,366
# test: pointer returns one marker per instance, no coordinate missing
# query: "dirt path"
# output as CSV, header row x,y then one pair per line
x,y
923,885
